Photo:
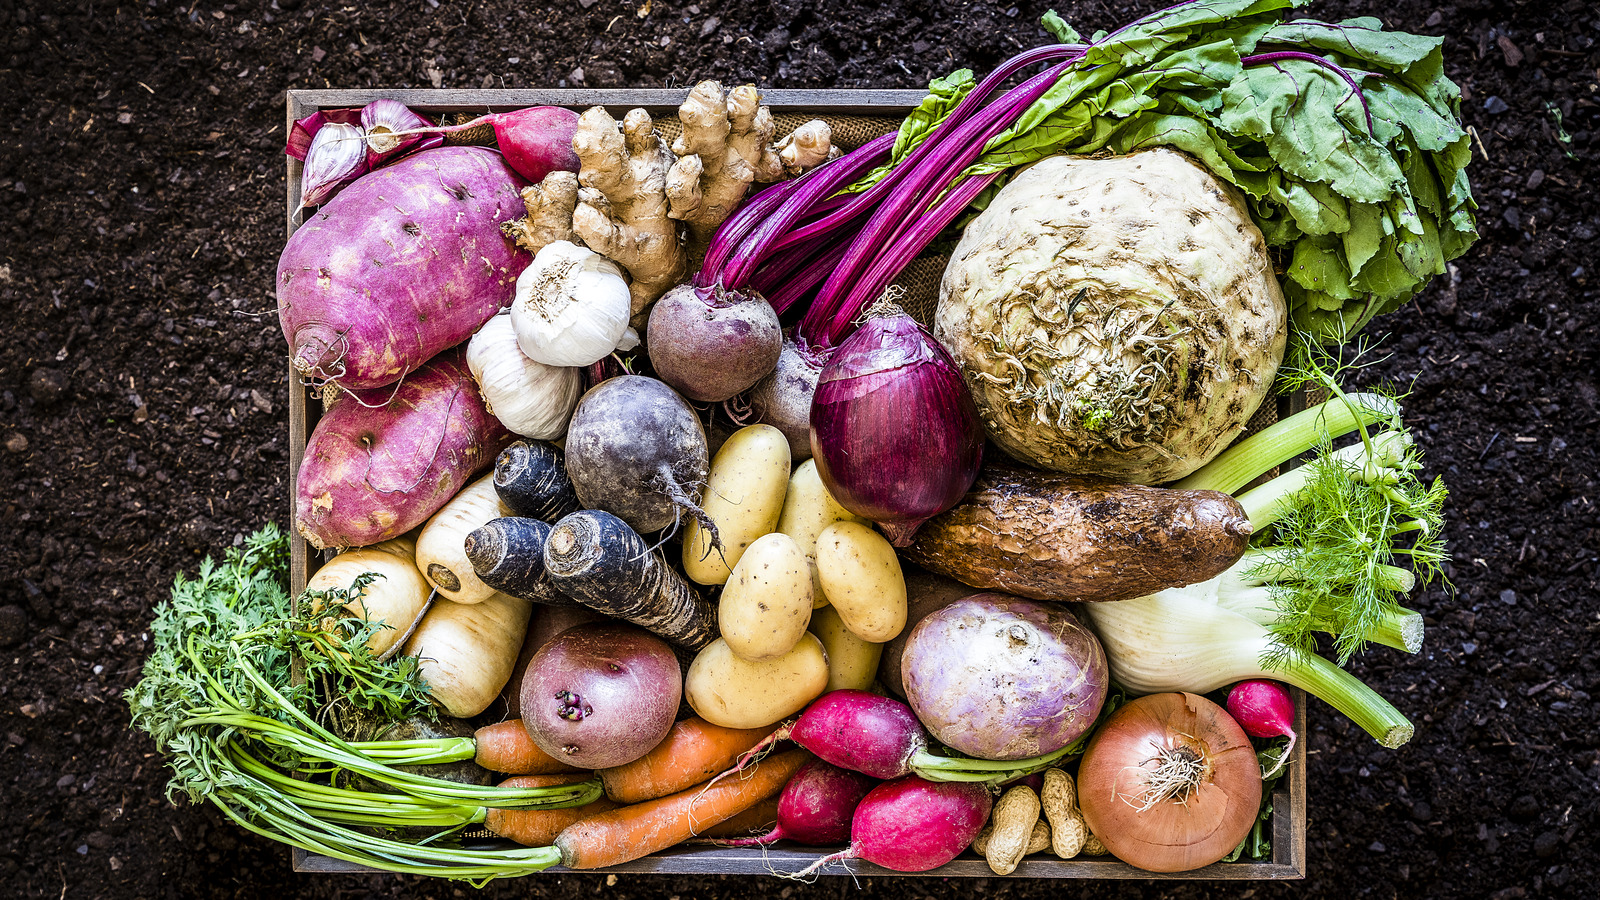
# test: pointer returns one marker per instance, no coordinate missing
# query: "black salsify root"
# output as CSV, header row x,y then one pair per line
x,y
667,483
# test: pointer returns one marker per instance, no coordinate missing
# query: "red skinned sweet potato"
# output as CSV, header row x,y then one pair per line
x,y
376,467
403,263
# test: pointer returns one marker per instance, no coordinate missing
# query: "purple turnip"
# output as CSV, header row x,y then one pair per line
x,y
998,677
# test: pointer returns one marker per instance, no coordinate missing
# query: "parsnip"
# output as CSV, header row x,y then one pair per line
x,y
467,651
441,548
395,596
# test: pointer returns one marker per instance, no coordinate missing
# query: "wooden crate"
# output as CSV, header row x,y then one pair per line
x,y
1289,798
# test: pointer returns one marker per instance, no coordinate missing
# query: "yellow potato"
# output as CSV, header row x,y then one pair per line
x,y
744,495
767,603
852,662
807,510
862,578
735,693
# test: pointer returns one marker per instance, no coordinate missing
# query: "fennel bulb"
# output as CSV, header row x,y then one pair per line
x,y
1183,639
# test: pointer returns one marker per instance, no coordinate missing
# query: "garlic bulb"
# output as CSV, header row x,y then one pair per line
x,y
336,157
571,306
529,398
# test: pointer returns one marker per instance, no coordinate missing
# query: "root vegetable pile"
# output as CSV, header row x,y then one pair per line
x,y
773,496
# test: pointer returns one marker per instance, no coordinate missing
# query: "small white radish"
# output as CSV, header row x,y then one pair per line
x,y
395,596
441,547
529,398
466,651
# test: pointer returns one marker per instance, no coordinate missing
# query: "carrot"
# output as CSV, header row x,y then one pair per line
x,y
757,819
538,827
506,747
628,833
692,752
552,779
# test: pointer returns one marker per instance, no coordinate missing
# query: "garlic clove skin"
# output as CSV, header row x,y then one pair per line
x,y
336,157
381,119
529,398
304,129
571,307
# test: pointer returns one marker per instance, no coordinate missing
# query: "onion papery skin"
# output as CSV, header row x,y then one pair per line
x,y
894,430
1170,836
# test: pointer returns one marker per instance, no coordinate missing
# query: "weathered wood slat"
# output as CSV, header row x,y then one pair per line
x,y
1289,799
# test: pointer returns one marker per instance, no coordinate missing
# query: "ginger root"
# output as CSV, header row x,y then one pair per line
x,y
807,147
550,204
725,145
622,203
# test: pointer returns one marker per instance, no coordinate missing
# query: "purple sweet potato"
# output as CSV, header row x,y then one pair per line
x,y
377,467
405,262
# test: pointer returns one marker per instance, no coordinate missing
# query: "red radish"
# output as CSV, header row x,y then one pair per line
x,y
913,825
862,731
881,737
815,808
535,141
1264,709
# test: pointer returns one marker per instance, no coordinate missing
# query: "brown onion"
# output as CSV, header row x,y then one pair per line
x,y
894,430
1170,783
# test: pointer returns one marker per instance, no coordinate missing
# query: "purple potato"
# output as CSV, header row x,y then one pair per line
x,y
998,677
601,695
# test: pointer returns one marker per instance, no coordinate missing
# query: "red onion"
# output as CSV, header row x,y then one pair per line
x,y
893,429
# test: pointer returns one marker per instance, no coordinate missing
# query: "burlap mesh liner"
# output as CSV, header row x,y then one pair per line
x,y
849,132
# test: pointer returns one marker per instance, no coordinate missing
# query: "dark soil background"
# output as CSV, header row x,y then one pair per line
x,y
143,406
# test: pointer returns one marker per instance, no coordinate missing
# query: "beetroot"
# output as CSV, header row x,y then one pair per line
x,y
711,344
783,399
379,463
403,263
601,695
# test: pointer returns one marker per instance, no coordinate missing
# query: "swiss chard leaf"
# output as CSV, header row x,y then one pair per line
x,y
1314,126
